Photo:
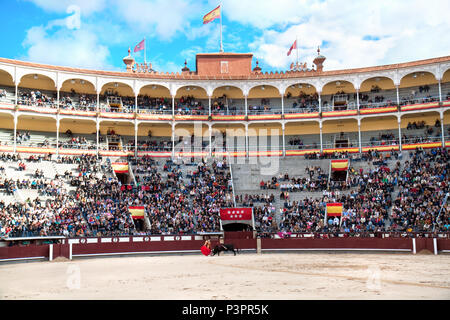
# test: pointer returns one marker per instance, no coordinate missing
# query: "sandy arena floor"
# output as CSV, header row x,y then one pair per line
x,y
246,276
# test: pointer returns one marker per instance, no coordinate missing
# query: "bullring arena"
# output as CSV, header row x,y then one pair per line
x,y
333,184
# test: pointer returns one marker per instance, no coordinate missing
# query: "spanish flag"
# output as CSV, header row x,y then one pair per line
x,y
137,212
120,167
214,14
334,209
339,165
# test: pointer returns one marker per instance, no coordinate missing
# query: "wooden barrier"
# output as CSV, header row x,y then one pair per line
x,y
85,247
369,244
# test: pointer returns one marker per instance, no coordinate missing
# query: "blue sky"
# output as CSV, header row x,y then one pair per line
x,y
96,34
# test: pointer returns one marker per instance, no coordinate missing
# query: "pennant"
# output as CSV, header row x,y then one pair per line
x,y
294,46
212,15
139,46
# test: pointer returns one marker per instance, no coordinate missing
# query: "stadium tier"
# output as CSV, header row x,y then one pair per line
x,y
89,153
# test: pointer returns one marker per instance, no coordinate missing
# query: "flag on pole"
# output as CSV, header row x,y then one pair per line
x,y
339,165
294,46
137,212
212,15
139,46
334,209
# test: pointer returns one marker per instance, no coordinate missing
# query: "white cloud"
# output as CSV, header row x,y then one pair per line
x,y
160,17
65,47
87,7
407,30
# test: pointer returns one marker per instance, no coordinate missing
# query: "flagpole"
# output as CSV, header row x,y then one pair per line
x,y
296,45
145,51
221,43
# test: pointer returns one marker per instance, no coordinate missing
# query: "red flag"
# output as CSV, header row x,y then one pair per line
x,y
294,46
139,46
236,214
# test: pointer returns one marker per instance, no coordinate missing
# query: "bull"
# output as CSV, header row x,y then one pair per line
x,y
224,248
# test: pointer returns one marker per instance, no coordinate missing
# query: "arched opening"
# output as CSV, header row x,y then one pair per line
x,y
265,137
191,138
418,87
78,94
227,100
338,95
228,138
6,129
379,131
264,99
152,137
340,134
446,124
117,97
154,99
36,131
377,92
114,134
421,128
303,135
37,90
445,86
7,88
191,100
301,98
77,134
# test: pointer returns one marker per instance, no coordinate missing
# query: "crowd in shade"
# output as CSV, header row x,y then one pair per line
x,y
150,145
75,101
303,102
185,197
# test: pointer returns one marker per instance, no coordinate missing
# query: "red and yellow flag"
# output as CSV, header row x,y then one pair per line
x,y
137,212
120,167
339,165
214,14
334,209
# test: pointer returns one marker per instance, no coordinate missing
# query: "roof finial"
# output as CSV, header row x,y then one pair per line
x,y
318,50
129,50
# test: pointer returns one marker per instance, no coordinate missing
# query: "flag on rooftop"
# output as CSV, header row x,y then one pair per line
x,y
140,46
294,46
212,15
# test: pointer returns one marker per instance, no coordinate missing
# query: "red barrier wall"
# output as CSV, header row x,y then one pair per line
x,y
443,244
81,247
242,243
30,251
424,244
99,248
337,243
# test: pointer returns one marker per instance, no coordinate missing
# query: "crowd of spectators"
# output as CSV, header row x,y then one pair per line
x,y
36,99
304,102
185,198
84,102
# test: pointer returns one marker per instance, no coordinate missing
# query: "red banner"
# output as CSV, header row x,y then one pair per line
x,y
236,214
